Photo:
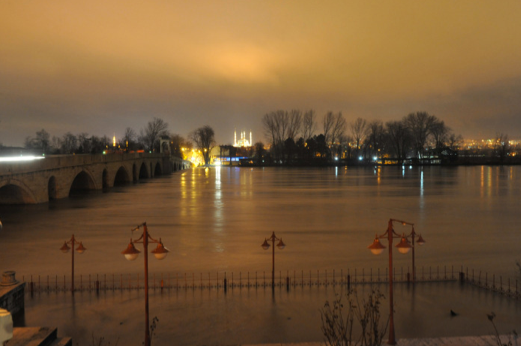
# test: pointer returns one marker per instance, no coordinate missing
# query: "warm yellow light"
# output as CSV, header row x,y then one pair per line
x,y
376,247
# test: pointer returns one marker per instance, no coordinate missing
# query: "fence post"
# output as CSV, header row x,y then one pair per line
x,y
462,277
348,281
287,283
225,283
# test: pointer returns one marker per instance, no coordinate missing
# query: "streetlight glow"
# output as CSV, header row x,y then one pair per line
x,y
131,252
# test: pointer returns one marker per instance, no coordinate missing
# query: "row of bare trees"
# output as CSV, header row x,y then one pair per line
x,y
409,137
148,140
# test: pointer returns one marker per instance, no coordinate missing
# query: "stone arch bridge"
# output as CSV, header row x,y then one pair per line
x,y
54,177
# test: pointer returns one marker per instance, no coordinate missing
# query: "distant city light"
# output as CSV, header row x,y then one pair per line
x,y
360,158
20,158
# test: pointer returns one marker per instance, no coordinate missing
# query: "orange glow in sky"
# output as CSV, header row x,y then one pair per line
x,y
101,66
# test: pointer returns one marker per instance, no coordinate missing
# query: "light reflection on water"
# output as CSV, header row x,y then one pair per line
x,y
215,220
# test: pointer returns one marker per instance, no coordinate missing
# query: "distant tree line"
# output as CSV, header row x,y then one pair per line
x,y
293,137
148,139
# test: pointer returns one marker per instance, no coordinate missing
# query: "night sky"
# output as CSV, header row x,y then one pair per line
x,y
101,66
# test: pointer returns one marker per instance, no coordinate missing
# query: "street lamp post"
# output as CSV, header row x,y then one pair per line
x,y
403,247
65,248
266,246
420,242
131,253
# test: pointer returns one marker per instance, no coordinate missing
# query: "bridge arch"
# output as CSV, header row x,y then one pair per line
x,y
143,171
122,177
158,169
82,182
16,192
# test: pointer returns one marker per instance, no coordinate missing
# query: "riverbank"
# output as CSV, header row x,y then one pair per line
x,y
485,340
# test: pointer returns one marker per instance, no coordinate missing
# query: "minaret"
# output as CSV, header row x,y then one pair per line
x,y
251,142
235,138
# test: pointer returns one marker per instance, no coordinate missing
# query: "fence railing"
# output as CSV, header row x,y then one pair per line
x,y
496,283
233,280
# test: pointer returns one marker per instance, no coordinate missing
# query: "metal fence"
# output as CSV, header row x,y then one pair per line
x,y
232,280
509,287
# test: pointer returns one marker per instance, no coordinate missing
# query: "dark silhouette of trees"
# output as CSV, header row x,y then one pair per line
x,y
322,147
177,143
153,131
279,126
290,149
84,143
130,139
69,143
420,125
334,127
309,124
359,131
454,141
260,153
376,137
204,139
41,141
399,138
440,134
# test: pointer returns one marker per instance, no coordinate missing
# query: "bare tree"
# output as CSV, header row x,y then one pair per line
x,y
440,133
309,124
295,123
204,139
280,125
149,136
454,141
399,138
56,144
129,138
177,144
376,136
334,127
69,143
420,126
41,141
84,142
359,131
327,125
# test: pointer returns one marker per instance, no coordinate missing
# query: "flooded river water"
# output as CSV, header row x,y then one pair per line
x,y
214,221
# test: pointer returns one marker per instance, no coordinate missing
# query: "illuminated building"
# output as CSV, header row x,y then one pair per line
x,y
243,142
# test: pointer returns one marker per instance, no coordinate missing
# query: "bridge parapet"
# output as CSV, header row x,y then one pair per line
x,y
63,161
55,177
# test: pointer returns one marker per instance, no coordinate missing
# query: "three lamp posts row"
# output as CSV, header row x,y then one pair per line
x,y
403,247
160,252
